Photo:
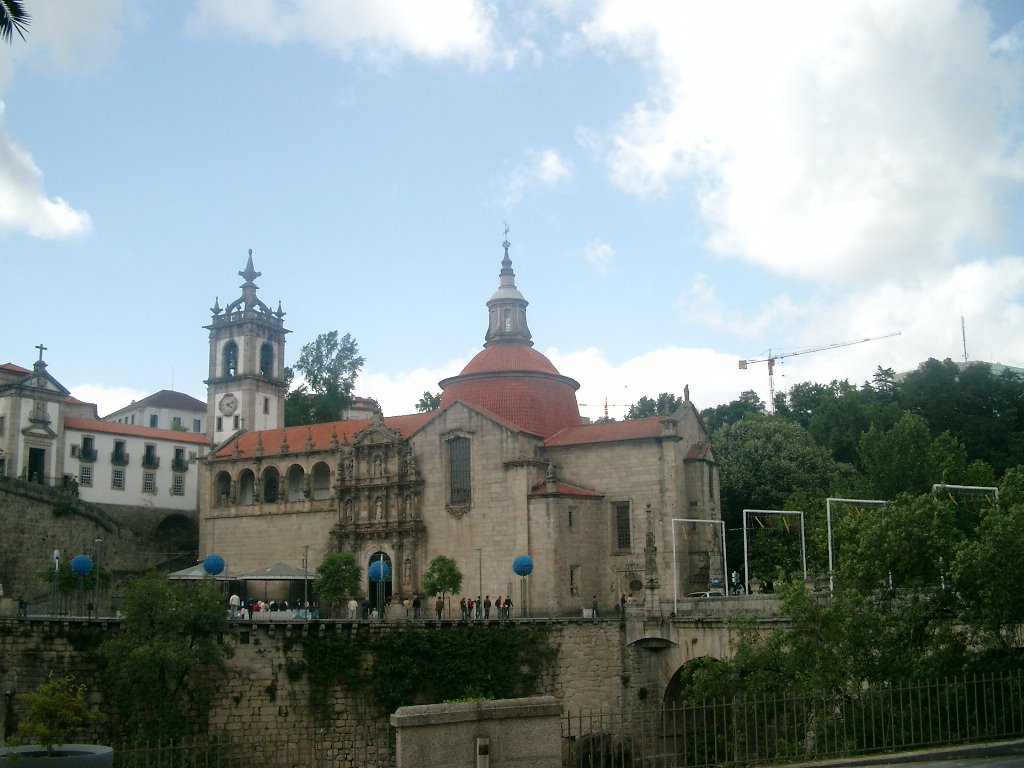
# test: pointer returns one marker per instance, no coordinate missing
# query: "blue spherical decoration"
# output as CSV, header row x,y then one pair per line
x,y
379,571
523,565
81,565
213,565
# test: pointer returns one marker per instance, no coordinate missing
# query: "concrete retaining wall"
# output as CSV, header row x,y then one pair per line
x,y
512,733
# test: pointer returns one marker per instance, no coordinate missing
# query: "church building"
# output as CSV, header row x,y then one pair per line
x,y
505,467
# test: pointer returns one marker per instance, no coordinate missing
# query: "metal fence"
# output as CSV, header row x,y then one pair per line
x,y
266,749
794,727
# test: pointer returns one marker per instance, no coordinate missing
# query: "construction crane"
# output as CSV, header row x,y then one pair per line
x,y
772,359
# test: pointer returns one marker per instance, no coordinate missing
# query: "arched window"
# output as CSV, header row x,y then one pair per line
x,y
267,360
295,477
321,485
230,359
222,489
246,485
271,484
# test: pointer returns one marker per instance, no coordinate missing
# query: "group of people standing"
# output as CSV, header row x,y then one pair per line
x,y
479,609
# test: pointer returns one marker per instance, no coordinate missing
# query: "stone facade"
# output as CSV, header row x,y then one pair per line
x,y
506,467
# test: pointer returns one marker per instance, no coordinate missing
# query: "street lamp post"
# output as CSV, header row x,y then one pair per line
x,y
305,582
480,577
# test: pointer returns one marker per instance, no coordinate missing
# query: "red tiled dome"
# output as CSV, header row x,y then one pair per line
x,y
505,358
519,384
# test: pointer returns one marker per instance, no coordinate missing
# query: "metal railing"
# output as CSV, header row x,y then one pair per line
x,y
794,727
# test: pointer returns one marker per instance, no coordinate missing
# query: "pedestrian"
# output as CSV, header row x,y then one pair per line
x,y
507,607
622,605
353,609
22,608
462,608
439,606
593,608
479,608
487,607
416,607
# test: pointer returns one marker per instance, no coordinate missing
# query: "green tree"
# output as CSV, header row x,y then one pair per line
x,y
162,669
747,404
55,713
329,365
337,577
13,18
430,401
907,459
645,407
764,462
442,577
984,574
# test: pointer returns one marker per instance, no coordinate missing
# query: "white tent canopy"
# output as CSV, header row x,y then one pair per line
x,y
196,572
275,572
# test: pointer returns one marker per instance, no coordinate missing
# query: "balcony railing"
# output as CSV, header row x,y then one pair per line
x,y
119,459
150,462
179,465
87,454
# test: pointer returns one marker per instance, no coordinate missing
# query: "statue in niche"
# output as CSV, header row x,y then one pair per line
x,y
348,510
407,507
407,572
378,467
380,510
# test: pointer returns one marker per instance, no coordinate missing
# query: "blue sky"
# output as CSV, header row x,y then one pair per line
x,y
686,185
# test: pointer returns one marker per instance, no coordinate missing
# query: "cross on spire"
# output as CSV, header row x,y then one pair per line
x,y
41,348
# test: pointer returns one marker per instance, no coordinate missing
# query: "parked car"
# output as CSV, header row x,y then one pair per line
x,y
705,595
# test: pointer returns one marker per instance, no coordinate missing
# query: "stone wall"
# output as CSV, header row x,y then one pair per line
x,y
261,701
513,733
38,520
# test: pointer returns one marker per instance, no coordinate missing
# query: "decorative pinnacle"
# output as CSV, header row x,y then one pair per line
x,y
506,243
250,272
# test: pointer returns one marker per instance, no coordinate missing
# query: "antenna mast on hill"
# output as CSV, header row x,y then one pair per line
x,y
963,335
772,359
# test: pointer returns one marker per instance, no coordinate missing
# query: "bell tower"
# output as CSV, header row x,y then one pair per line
x,y
246,387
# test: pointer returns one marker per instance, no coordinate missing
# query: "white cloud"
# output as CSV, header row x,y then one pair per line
x,y
713,377
599,255
399,393
699,305
544,168
108,399
927,313
829,140
69,39
24,206
379,30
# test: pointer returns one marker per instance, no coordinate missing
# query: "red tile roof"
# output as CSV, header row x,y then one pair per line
x,y
320,434
607,432
519,385
564,489
14,368
699,451
132,430
535,404
508,358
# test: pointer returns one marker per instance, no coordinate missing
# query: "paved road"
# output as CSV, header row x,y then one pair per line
x,y
1005,755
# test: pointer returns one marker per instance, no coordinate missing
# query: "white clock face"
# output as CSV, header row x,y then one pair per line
x,y
228,404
